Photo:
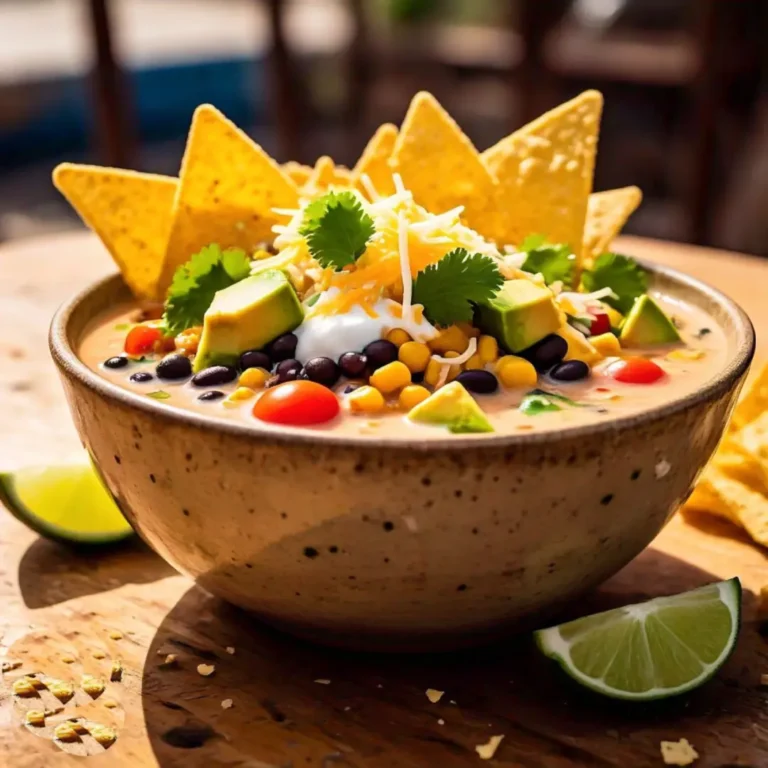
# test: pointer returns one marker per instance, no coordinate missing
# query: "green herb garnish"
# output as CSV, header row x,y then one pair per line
x,y
196,282
533,405
624,276
123,326
702,332
554,262
337,229
159,394
555,396
449,288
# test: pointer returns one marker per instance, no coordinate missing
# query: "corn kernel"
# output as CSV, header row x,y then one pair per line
x,y
488,349
398,337
450,339
237,397
469,329
515,371
415,355
614,316
474,363
92,686
686,354
254,378
453,370
35,717
606,344
391,377
411,396
434,369
366,400
24,687
65,732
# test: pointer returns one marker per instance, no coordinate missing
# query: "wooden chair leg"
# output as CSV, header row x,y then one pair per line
x,y
113,125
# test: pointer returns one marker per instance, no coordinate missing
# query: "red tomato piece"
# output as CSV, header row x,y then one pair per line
x,y
299,403
600,324
141,339
635,370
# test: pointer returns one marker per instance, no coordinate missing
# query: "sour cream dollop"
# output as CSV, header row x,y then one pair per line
x,y
333,335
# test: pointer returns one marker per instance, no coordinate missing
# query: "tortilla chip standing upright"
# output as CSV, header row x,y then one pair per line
x,y
607,213
374,162
129,211
442,168
326,174
545,172
228,189
298,173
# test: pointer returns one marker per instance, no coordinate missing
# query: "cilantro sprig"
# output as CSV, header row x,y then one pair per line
x,y
555,262
196,282
449,289
337,229
623,275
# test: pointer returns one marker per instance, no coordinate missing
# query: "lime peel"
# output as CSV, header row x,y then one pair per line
x,y
629,625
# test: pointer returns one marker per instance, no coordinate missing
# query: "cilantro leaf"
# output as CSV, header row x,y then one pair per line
x,y
449,288
196,282
532,242
623,275
555,262
533,404
337,229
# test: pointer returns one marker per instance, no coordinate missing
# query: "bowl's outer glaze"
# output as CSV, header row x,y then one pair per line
x,y
380,547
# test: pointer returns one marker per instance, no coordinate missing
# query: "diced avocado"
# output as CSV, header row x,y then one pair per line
x,y
451,407
647,325
247,315
519,315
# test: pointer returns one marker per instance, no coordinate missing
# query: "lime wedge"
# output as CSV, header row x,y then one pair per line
x,y
67,502
652,650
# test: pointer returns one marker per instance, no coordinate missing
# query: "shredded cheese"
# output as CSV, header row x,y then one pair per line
x,y
405,265
462,358
370,189
398,182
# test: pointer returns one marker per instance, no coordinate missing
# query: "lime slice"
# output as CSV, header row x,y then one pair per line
x,y
652,650
67,502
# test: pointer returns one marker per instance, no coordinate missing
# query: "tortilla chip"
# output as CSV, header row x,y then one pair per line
x,y
129,211
326,174
753,403
439,164
374,162
298,173
607,213
545,172
229,187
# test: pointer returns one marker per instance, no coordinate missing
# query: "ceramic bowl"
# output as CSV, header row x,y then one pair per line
x,y
397,545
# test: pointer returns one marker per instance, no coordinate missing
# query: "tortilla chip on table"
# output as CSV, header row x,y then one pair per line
x,y
228,189
130,212
545,172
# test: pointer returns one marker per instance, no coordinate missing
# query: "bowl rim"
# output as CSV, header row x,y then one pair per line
x,y
69,363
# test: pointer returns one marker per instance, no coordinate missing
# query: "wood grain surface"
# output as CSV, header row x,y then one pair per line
x,y
369,711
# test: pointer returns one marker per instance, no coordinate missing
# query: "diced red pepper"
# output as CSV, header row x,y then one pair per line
x,y
635,370
600,324
141,340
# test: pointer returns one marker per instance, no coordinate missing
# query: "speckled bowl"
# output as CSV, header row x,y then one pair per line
x,y
397,545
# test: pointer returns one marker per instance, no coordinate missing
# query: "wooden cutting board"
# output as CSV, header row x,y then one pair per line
x,y
293,704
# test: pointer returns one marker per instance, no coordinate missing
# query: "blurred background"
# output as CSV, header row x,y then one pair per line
x,y
115,82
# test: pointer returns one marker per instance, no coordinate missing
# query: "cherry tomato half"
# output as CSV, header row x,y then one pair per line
x,y
141,339
635,370
297,402
601,324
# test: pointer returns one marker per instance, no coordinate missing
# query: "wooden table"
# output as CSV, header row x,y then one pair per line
x,y
374,712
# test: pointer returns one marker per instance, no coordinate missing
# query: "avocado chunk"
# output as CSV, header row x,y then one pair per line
x,y
647,325
247,315
451,407
519,315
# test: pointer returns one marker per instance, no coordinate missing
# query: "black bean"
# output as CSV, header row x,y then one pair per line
x,y
283,347
290,375
288,365
380,353
571,370
352,387
417,378
322,370
174,367
255,358
479,382
215,375
116,362
141,377
210,395
546,353
353,364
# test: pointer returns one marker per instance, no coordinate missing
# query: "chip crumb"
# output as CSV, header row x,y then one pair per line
x,y
346,709
116,673
227,704
441,721
110,703
662,469
323,682
678,752
433,695
231,650
206,670
9,666
35,717
105,736
68,658
65,732
99,655
452,702
170,659
92,686
115,635
63,691
24,687
488,750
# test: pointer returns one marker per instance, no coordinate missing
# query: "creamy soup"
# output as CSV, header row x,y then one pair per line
x,y
687,365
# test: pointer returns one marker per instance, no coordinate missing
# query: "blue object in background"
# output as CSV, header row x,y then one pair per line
x,y
162,98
